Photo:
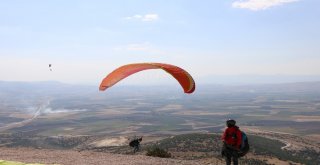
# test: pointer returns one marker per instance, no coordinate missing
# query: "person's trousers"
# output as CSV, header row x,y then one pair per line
x,y
231,155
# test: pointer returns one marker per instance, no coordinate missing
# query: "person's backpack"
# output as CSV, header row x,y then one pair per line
x,y
244,148
134,143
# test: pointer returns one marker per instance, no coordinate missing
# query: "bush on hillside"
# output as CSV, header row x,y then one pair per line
x,y
156,151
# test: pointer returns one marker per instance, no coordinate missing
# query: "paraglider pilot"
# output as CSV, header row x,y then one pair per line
x,y
231,139
135,143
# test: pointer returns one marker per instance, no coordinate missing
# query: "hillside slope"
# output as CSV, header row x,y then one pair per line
x,y
71,157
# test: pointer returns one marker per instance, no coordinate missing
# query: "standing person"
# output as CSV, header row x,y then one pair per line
x,y
231,139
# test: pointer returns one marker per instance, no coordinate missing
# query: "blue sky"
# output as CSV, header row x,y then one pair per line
x,y
85,40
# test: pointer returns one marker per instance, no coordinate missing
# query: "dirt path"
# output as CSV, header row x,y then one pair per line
x,y
70,157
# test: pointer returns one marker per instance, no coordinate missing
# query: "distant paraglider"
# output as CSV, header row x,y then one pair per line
x,y
50,67
182,76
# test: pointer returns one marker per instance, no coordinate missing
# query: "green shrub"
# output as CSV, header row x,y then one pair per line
x,y
156,151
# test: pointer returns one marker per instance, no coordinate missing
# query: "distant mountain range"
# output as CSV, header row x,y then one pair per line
x,y
52,88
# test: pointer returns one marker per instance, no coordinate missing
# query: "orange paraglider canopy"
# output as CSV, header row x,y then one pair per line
x,y
183,77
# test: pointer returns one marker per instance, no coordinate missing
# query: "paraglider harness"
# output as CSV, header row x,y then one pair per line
x,y
135,143
244,147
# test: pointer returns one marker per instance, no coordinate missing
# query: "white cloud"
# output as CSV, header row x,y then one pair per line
x,y
145,18
259,4
150,17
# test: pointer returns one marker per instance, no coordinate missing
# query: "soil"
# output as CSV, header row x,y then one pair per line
x,y
72,157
